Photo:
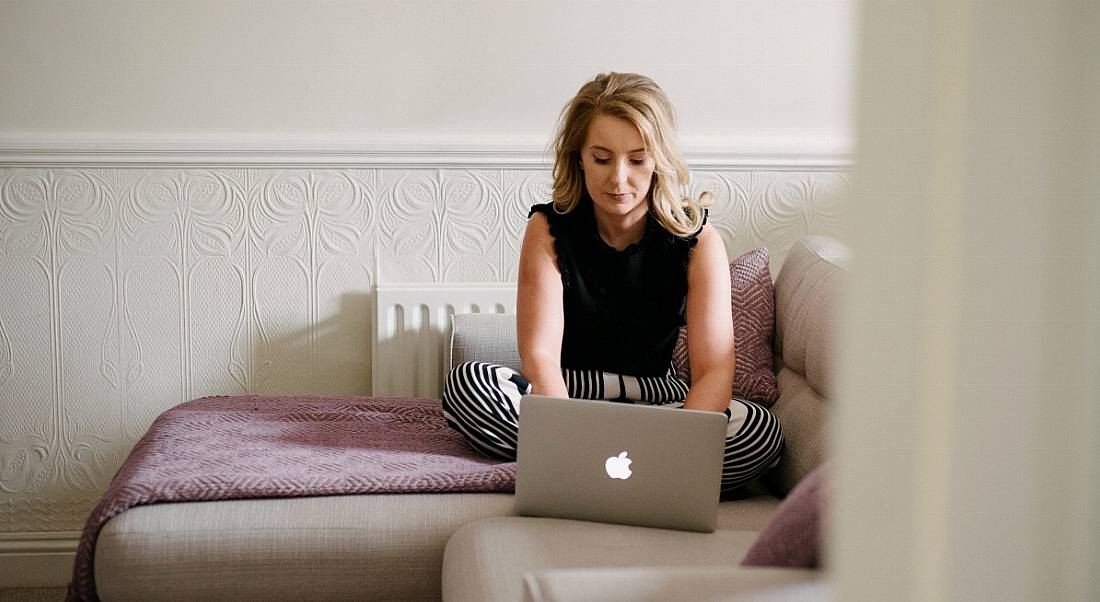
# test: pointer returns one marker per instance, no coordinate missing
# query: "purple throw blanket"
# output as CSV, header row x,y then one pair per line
x,y
220,448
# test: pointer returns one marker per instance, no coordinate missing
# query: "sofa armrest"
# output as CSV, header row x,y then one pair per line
x,y
487,337
675,583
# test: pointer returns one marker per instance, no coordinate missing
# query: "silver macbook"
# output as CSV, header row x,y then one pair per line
x,y
643,465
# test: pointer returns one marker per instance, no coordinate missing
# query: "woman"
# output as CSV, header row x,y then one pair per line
x,y
608,273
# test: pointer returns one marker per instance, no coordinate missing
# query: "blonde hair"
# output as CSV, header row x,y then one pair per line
x,y
639,100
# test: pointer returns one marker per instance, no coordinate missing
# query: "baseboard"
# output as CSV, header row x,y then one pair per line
x,y
37,560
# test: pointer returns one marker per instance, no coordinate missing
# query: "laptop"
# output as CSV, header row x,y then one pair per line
x,y
650,466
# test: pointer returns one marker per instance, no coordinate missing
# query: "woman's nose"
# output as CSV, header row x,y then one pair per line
x,y
620,172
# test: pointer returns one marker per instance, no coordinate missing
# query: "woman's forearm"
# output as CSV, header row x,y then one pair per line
x,y
539,317
546,379
550,388
710,391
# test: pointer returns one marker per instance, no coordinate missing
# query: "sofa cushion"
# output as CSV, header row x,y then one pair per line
x,y
344,547
558,543
487,337
642,584
806,294
750,512
802,413
793,537
487,560
752,298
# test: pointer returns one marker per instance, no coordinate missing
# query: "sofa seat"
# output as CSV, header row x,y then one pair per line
x,y
660,584
377,547
490,559
355,547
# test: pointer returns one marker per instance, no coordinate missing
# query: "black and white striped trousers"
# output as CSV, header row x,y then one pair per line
x,y
482,402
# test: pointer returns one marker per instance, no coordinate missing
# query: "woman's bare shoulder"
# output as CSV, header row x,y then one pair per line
x,y
709,241
538,228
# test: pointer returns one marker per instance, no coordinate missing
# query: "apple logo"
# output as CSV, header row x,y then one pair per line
x,y
618,467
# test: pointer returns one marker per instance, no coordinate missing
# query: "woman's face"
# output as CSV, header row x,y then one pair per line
x,y
617,169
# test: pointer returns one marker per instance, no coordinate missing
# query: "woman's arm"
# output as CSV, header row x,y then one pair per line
x,y
710,325
540,319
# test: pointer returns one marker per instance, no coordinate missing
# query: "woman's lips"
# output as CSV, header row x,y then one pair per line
x,y
618,197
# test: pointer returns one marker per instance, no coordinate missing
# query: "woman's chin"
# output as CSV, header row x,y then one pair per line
x,y
621,207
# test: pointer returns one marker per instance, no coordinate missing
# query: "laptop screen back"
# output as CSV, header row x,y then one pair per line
x,y
619,463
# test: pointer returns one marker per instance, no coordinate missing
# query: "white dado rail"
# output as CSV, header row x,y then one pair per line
x,y
137,274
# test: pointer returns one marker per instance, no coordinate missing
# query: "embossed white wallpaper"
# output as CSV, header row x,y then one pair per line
x,y
129,290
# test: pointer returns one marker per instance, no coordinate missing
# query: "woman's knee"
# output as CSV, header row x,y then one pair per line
x,y
466,379
460,388
463,371
483,390
757,441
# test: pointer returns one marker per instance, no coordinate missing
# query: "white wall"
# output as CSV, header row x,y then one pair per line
x,y
968,428
742,69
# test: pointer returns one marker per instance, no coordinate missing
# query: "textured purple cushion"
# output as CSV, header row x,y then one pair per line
x,y
793,536
753,300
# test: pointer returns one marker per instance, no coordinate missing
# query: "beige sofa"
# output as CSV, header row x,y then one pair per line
x,y
391,547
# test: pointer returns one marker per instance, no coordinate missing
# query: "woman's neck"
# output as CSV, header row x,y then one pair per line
x,y
621,231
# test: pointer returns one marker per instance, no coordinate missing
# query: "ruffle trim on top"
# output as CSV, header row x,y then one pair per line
x,y
556,230
694,239
655,236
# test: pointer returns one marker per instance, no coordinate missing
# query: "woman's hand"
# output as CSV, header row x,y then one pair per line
x,y
711,348
540,318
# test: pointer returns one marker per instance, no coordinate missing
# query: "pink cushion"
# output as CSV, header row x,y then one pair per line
x,y
793,535
753,300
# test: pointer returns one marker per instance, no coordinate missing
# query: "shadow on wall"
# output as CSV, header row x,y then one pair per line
x,y
410,350
331,356
336,354
412,337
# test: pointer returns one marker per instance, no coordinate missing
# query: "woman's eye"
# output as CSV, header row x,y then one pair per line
x,y
600,161
637,161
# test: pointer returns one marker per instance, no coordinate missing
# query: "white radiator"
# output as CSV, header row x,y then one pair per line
x,y
411,327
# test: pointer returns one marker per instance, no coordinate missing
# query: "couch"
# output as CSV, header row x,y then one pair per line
x,y
470,546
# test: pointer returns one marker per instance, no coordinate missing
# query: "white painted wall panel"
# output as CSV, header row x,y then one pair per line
x,y
751,69
25,329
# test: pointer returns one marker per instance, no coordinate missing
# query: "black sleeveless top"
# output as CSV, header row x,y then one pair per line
x,y
623,309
